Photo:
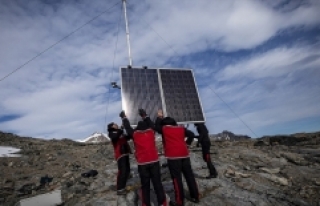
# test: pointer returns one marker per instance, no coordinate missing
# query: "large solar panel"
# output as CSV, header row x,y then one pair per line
x,y
140,89
173,90
181,95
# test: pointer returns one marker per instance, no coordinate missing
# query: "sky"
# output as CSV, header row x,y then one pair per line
x,y
256,62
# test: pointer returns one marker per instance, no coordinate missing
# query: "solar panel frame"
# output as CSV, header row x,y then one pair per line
x,y
162,85
195,88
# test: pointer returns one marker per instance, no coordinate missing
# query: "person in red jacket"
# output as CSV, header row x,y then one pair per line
x,y
177,154
121,154
146,154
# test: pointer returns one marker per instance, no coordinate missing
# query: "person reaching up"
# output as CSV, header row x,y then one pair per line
x,y
121,154
146,154
177,154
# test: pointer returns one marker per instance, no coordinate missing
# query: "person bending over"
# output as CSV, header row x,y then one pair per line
x,y
204,140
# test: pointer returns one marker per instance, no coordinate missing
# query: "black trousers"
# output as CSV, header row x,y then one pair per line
x,y
205,146
178,167
151,172
123,172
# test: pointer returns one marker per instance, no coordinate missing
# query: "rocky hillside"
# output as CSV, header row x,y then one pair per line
x,y
267,171
227,135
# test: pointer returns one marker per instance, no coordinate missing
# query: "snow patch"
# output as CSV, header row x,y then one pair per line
x,y
96,138
7,152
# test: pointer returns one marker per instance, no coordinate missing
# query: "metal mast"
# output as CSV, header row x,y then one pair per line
x,y
127,30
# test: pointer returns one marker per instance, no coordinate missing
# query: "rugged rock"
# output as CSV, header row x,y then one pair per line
x,y
267,171
227,135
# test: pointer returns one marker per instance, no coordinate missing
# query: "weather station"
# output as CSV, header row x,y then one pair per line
x,y
173,90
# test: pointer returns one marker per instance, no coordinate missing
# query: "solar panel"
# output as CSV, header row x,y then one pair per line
x,y
173,90
181,96
140,89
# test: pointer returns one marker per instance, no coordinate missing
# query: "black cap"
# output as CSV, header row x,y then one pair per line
x,y
122,114
142,112
142,125
110,126
168,121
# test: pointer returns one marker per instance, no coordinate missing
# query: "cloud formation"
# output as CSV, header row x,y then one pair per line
x,y
64,92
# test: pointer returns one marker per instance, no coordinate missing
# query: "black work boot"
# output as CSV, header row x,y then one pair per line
x,y
194,200
172,203
121,192
212,176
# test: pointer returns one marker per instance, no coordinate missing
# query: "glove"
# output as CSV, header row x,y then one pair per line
x,y
122,114
160,113
142,113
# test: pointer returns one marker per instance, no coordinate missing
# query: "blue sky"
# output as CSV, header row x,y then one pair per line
x,y
260,57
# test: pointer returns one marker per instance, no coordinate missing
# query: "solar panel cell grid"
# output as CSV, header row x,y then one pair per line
x,y
181,95
141,89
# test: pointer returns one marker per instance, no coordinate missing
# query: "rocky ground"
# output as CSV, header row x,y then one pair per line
x,y
279,170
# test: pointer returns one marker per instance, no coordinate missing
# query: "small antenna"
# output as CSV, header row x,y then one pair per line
x,y
127,30
115,85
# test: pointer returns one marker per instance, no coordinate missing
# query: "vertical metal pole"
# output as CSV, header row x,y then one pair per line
x,y
127,30
164,108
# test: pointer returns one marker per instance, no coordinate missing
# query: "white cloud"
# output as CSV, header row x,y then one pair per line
x,y
63,93
62,110
274,63
227,25
282,87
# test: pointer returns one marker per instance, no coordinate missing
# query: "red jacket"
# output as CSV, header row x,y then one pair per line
x,y
173,141
121,147
145,146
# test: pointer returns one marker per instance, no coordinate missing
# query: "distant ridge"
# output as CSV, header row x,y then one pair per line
x,y
227,135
